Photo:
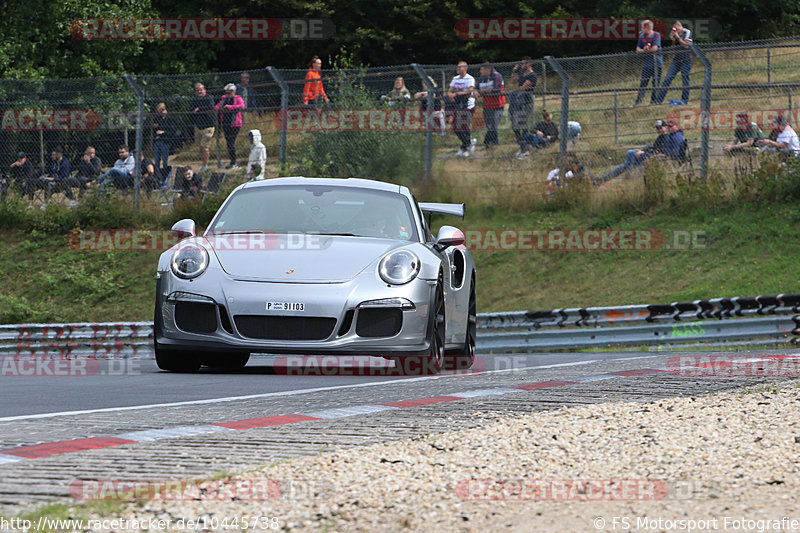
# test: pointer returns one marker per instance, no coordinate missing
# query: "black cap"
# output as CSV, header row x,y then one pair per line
x,y
20,155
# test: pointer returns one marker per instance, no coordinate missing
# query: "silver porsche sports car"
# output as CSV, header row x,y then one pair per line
x,y
317,266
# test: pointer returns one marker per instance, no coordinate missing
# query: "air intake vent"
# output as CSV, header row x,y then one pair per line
x,y
288,328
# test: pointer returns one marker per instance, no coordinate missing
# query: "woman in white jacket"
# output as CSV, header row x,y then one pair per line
x,y
258,155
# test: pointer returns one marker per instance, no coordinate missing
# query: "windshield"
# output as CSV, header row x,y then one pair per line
x,y
318,209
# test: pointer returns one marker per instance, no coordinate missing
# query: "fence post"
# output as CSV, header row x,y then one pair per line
x,y
769,69
544,87
790,99
562,137
705,108
427,117
616,117
284,111
137,158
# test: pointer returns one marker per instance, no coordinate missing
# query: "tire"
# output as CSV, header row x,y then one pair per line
x,y
462,358
226,360
177,360
431,363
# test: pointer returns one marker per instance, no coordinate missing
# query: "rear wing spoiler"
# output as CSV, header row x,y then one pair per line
x,y
432,208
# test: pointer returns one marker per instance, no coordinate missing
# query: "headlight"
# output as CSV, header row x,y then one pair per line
x,y
189,261
399,267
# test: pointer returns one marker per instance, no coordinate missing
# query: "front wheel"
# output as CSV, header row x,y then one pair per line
x,y
176,360
432,362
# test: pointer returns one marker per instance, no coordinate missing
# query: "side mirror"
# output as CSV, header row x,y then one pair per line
x,y
184,228
448,236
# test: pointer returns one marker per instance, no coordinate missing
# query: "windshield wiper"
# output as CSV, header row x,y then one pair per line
x,y
236,232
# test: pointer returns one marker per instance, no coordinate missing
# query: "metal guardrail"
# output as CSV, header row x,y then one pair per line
x,y
716,319
720,320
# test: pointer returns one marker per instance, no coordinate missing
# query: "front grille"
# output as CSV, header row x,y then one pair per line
x,y
196,317
285,328
379,322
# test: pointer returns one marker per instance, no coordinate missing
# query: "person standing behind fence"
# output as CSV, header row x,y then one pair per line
x,y
462,100
520,98
491,88
649,45
203,120
399,92
434,116
681,61
164,131
313,90
230,115
247,93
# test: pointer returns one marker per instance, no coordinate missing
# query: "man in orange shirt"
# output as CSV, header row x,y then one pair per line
x,y
313,89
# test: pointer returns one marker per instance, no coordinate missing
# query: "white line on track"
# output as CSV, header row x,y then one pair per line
x,y
301,391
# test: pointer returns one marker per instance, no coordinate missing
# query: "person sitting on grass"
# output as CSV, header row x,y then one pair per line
x,y
190,183
786,142
544,132
121,175
636,158
747,134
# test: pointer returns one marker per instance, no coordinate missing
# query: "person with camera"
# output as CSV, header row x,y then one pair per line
x,y
681,61
230,116
520,98
649,45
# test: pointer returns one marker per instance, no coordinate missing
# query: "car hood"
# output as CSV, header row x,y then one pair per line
x,y
298,258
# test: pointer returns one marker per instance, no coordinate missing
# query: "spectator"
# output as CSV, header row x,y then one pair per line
x,y
545,132
89,169
461,99
190,182
573,132
203,121
258,156
520,99
681,61
786,142
574,170
57,178
649,45
313,89
436,114
4,185
22,174
121,175
230,116
399,92
661,146
164,129
148,171
490,87
247,93
747,134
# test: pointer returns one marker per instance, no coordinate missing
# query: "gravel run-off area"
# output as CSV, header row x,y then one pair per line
x,y
717,462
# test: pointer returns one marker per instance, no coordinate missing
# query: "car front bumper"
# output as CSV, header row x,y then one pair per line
x,y
232,310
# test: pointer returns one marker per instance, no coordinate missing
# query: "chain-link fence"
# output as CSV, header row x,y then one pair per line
x,y
405,124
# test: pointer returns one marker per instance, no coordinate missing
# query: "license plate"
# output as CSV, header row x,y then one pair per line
x,y
286,306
